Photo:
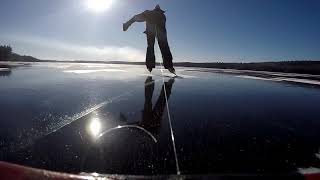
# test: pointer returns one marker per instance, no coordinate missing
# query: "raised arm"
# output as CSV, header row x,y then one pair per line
x,y
137,18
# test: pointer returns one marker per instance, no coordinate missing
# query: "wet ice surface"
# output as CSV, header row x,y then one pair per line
x,y
114,119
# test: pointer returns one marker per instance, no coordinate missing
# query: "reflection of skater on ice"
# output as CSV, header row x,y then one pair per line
x,y
152,116
155,28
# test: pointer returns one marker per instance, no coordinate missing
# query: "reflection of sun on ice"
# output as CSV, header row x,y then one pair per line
x,y
95,127
98,5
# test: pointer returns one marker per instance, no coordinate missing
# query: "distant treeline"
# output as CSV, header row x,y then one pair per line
x,y
5,53
301,67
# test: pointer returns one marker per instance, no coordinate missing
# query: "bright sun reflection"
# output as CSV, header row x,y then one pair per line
x,y
95,127
99,5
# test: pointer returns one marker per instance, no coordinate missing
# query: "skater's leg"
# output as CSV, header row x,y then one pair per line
x,y
150,57
164,48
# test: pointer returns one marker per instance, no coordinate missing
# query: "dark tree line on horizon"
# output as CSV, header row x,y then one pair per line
x,y
5,53
302,66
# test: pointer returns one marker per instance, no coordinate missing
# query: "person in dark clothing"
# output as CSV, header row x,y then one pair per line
x,y
155,28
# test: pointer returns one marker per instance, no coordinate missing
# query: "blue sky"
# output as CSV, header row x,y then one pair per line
x,y
198,30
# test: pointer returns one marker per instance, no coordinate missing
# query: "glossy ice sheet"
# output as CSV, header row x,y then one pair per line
x,y
114,119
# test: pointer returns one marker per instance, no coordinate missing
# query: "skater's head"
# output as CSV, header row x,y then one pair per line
x,y
158,8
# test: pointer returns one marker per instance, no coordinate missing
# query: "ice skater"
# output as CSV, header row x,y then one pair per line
x,y
155,27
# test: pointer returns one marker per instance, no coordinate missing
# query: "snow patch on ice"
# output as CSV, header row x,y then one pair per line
x,y
296,80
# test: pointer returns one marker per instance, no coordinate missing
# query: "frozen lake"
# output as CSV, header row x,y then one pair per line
x,y
119,119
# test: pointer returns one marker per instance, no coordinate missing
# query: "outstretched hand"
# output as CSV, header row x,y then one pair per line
x,y
125,26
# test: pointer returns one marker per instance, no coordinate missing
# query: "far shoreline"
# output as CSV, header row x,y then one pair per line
x,y
298,67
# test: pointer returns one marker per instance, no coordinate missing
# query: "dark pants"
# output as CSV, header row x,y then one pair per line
x,y
164,48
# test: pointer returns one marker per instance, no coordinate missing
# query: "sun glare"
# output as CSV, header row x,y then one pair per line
x,y
95,127
99,5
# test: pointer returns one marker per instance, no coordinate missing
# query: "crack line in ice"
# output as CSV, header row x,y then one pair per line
x,y
170,124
